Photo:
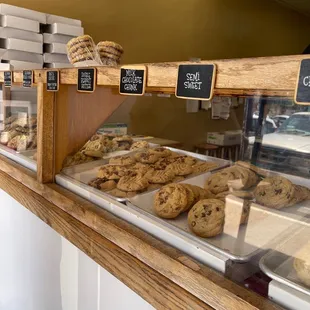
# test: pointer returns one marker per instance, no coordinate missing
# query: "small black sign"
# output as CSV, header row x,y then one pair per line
x,y
52,80
27,78
195,81
7,79
86,80
302,93
132,81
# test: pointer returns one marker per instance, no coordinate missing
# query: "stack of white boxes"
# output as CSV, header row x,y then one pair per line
x,y
57,32
22,45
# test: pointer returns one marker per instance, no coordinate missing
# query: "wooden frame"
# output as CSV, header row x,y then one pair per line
x,y
66,119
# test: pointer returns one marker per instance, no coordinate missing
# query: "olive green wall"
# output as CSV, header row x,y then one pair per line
x,y
170,30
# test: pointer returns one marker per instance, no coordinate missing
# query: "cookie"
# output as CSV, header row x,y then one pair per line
x,y
107,185
96,148
96,182
139,167
146,157
77,159
201,167
191,196
178,179
153,187
109,55
257,170
122,160
184,159
300,194
170,201
249,195
302,264
114,45
139,145
123,142
274,192
133,182
117,193
109,50
222,196
84,39
160,176
206,218
161,151
111,172
163,163
181,168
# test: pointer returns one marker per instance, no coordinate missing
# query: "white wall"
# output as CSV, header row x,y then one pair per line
x,y
40,270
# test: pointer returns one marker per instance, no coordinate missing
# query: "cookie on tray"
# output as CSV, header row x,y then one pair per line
x,y
122,160
161,151
123,142
206,218
107,185
274,192
201,167
181,169
96,182
160,176
257,170
147,157
111,172
184,159
133,182
139,145
170,201
301,193
117,193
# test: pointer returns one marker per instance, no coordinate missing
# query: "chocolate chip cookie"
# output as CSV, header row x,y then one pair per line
x,y
206,218
122,160
133,182
160,176
147,157
181,168
111,172
274,192
140,145
161,151
201,167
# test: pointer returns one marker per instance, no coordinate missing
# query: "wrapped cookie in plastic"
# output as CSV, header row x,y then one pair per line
x,y
110,53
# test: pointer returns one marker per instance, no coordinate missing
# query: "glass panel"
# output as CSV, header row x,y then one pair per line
x,y
18,125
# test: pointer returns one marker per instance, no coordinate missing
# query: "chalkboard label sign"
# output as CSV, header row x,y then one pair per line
x,y
86,80
52,80
302,92
195,81
27,78
132,80
7,78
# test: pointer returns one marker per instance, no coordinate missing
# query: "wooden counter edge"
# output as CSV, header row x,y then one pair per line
x,y
202,282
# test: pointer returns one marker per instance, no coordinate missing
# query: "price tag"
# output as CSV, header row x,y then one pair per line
x,y
27,78
7,78
195,81
302,92
132,80
86,80
52,80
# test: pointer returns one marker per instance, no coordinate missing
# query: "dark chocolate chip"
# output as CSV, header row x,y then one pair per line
x,y
193,224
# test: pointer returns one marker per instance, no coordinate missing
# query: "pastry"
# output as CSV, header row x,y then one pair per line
x,y
139,167
139,145
201,167
123,142
117,193
133,182
76,159
101,48
192,197
274,192
95,148
6,136
107,185
160,176
184,159
170,201
163,163
153,187
206,218
181,168
111,172
96,182
302,264
161,151
122,160
115,46
178,179
301,193
146,157
257,170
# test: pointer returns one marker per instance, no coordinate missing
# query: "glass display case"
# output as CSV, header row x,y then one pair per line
x,y
18,125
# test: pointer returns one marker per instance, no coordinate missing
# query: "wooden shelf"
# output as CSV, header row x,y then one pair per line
x,y
271,76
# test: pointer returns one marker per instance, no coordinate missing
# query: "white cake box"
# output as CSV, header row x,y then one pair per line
x,y
20,56
58,65
69,30
20,34
55,48
6,9
19,23
21,45
56,38
24,65
224,138
5,67
51,19
51,58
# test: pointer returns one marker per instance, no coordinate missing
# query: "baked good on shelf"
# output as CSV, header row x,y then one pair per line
x,y
96,182
302,264
9,120
184,159
139,145
123,142
133,182
204,167
108,185
274,192
6,136
122,160
170,201
96,148
178,178
160,176
301,193
76,159
104,45
117,193
110,53
160,151
147,157
81,48
111,172
181,169
257,170
206,218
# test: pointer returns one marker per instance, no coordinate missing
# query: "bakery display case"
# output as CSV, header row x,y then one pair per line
x,y
246,217
18,125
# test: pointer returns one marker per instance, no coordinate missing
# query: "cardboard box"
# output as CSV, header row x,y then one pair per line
x,y
6,9
7,33
55,48
56,38
57,65
21,45
51,58
69,30
224,138
51,19
19,23
24,65
115,128
6,55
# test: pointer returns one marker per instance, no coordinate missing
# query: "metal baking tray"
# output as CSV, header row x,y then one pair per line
x,y
82,174
278,264
24,158
238,242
